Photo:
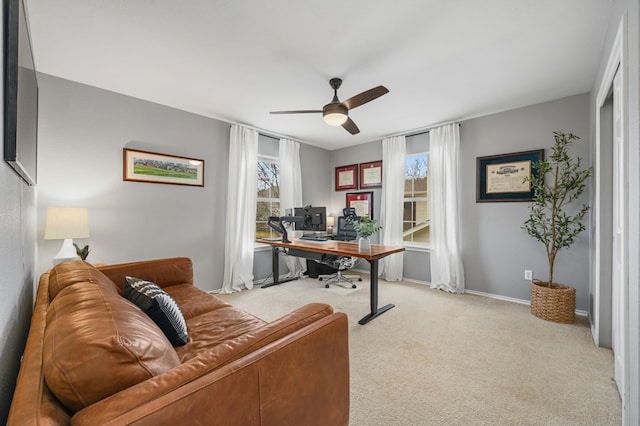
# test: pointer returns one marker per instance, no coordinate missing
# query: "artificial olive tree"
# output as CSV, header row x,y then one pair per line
x,y
557,182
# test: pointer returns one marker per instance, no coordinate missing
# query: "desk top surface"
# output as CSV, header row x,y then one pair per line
x,y
339,248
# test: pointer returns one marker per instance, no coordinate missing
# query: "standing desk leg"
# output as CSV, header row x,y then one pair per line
x,y
375,312
275,269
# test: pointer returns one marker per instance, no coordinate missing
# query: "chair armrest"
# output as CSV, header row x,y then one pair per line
x,y
302,378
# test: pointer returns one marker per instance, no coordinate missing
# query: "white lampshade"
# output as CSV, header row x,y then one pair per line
x,y
66,223
331,221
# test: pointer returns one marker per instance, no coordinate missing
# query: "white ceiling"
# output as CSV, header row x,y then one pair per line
x,y
237,60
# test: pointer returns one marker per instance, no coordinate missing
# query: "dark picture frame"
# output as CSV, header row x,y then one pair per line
x,y
362,202
20,94
500,178
153,167
347,177
371,174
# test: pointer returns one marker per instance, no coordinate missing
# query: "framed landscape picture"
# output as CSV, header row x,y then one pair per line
x,y
501,177
153,167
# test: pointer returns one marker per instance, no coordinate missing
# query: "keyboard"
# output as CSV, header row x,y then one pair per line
x,y
314,238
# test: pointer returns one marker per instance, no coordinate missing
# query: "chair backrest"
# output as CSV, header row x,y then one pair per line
x,y
345,231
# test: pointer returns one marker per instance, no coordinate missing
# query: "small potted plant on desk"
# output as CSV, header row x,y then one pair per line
x,y
559,181
365,228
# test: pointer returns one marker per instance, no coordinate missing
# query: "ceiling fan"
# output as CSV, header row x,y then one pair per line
x,y
336,113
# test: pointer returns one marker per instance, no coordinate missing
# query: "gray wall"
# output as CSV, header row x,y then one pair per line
x,y
495,249
82,133
17,259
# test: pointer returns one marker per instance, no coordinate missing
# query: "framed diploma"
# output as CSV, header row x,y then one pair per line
x,y
362,202
502,177
371,175
347,177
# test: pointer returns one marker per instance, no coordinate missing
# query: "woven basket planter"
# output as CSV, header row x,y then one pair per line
x,y
556,303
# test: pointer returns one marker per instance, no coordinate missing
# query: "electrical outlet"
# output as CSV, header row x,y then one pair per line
x,y
528,274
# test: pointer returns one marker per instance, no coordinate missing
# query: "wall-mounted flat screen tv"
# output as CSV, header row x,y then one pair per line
x,y
20,94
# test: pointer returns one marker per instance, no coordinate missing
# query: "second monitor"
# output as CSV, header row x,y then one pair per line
x,y
315,219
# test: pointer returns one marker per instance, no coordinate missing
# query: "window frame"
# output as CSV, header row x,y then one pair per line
x,y
413,245
267,159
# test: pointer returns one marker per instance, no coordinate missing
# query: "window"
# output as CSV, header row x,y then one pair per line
x,y
416,219
268,202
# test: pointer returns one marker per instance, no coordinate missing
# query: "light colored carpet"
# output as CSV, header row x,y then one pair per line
x,y
443,359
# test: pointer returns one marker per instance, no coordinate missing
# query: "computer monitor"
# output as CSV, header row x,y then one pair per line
x,y
315,219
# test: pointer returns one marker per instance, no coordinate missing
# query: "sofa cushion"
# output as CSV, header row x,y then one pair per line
x,y
194,301
160,307
98,343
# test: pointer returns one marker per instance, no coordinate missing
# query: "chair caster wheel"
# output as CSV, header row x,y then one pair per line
x,y
354,286
359,279
326,286
320,279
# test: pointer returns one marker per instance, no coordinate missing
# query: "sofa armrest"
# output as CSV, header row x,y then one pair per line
x,y
164,272
302,378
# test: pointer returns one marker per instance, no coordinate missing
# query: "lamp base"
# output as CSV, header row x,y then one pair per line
x,y
66,252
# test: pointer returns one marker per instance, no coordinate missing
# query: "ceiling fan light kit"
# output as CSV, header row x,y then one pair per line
x,y
336,113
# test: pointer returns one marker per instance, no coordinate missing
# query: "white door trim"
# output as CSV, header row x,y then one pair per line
x,y
618,62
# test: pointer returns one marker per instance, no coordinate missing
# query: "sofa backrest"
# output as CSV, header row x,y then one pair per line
x,y
164,272
96,342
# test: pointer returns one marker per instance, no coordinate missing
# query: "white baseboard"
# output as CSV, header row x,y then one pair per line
x,y
579,312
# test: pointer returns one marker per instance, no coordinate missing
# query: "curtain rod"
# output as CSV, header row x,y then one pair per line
x,y
424,130
266,133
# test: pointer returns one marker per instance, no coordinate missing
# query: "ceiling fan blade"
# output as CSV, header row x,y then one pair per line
x,y
350,126
301,111
364,97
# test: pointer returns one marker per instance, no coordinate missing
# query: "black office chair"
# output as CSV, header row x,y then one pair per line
x,y
345,232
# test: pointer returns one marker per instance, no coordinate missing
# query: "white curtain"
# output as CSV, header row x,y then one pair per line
x,y
240,231
446,263
393,159
291,193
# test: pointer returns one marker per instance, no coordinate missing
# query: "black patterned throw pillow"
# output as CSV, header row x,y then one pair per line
x,y
159,306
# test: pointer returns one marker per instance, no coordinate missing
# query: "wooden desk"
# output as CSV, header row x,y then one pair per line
x,y
315,250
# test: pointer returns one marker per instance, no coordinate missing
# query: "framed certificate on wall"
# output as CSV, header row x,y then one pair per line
x,y
347,177
362,202
371,175
502,177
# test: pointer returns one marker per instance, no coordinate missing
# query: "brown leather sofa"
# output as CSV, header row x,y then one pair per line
x,y
94,358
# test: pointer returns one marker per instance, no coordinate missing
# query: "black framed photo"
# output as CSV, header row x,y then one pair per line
x,y
502,177
20,95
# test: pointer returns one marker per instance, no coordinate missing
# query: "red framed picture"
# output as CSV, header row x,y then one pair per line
x,y
371,175
347,177
362,202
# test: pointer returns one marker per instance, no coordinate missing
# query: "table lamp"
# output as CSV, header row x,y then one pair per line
x,y
66,223
331,222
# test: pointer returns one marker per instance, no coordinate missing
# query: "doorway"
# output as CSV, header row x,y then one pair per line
x,y
609,309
